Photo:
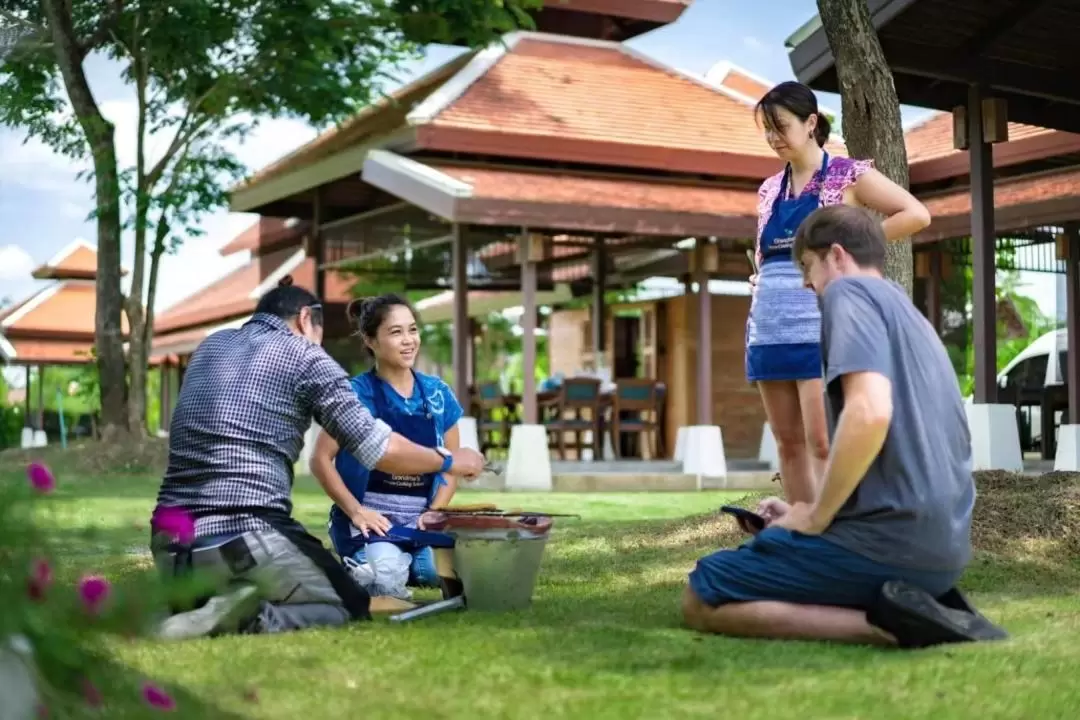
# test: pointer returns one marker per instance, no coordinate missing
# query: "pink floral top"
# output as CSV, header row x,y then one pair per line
x,y
839,176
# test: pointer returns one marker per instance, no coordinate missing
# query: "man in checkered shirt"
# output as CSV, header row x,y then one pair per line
x,y
249,396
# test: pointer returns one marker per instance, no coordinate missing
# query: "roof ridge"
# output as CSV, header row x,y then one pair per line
x,y
33,302
458,84
65,252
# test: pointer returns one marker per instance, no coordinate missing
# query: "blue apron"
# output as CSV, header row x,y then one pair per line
x,y
783,331
369,486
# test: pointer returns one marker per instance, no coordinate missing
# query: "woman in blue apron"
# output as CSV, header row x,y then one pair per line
x,y
783,330
374,528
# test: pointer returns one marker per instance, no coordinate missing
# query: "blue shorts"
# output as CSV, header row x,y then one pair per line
x,y
785,566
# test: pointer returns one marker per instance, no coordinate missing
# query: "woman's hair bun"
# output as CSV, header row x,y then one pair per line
x,y
285,281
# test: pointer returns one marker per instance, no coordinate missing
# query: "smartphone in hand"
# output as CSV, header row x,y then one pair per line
x,y
748,520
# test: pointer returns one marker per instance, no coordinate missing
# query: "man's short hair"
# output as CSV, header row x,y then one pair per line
x,y
853,228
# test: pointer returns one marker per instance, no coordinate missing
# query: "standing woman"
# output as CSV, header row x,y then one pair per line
x,y
369,503
783,332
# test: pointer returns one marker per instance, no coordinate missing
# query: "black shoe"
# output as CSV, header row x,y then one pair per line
x,y
917,620
955,600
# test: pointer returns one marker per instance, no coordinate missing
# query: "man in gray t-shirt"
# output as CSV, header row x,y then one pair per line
x,y
876,556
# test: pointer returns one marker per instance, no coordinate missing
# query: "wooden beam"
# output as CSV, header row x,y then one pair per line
x,y
909,58
1004,22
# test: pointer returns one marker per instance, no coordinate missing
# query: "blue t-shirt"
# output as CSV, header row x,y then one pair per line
x,y
445,408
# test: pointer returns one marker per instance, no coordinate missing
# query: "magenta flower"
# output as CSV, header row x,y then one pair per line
x,y
92,694
175,522
94,591
40,579
157,698
41,478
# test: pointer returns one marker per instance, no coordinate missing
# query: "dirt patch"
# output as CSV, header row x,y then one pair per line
x,y
1014,509
145,456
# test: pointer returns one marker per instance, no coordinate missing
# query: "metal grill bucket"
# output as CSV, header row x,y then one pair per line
x,y
496,558
498,567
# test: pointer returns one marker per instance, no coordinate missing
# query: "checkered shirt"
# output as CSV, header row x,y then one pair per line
x,y
248,397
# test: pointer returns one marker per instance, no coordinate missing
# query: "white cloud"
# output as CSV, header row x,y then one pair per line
x,y
15,263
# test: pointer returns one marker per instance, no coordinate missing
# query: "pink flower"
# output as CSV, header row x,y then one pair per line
x,y
92,694
42,711
175,522
41,478
157,698
94,591
40,579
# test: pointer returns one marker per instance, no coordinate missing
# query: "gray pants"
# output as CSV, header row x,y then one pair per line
x,y
296,593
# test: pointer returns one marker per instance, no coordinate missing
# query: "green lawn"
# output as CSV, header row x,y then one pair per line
x,y
603,639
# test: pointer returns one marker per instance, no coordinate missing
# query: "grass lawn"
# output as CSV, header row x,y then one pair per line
x,y
602,640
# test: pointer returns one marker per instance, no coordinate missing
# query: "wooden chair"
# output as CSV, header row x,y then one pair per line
x,y
636,408
575,395
492,417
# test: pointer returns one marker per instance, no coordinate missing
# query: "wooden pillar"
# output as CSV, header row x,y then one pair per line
x,y
460,329
599,312
704,259
165,390
983,247
530,249
1072,320
27,422
41,398
318,249
474,333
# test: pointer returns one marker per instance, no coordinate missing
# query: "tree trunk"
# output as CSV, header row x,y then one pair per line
x,y
872,126
108,337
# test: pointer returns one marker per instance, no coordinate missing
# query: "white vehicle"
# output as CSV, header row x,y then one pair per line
x,y
1025,377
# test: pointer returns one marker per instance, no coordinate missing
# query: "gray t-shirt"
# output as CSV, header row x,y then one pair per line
x,y
913,507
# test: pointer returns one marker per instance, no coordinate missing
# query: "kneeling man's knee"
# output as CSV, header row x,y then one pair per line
x,y
693,610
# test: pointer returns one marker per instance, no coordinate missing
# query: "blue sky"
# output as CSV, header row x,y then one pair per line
x,y
43,207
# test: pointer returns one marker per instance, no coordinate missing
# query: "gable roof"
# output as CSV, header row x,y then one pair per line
x,y
76,260
535,93
536,96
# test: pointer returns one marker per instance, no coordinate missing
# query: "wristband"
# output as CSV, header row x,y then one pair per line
x,y
448,459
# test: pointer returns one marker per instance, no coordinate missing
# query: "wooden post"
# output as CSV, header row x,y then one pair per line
x,y
1072,320
704,259
599,312
983,247
462,336
530,250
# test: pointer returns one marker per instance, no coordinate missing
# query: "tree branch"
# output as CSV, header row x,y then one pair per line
x,y
184,134
105,27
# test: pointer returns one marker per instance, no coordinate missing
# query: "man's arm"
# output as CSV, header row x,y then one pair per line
x,y
858,357
338,410
860,433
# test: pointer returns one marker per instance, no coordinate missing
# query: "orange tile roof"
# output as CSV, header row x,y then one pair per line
x,y
68,306
607,192
265,232
562,88
1009,193
368,121
231,296
933,138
